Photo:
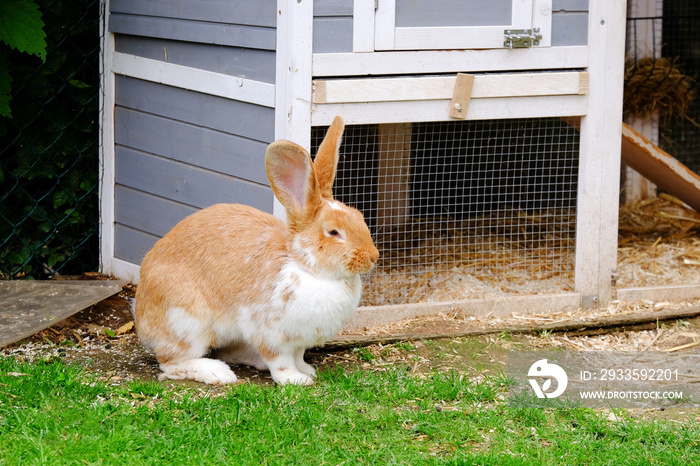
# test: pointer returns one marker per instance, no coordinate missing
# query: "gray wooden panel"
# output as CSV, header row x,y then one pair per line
x,y
257,13
436,13
332,34
569,29
230,116
132,245
232,61
333,7
569,5
194,31
194,145
186,184
146,212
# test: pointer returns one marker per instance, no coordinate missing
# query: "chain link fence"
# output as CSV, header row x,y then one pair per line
x,y
49,165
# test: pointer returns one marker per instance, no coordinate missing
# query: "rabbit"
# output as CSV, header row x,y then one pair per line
x,y
250,288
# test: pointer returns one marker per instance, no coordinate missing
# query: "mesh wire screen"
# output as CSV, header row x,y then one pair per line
x,y
463,210
666,33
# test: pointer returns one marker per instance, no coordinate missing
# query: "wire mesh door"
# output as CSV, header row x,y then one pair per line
x,y
463,210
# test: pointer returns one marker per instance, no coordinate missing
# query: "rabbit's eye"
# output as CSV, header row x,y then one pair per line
x,y
334,234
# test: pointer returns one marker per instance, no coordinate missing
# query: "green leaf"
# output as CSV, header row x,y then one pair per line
x,y
54,259
79,84
21,27
61,198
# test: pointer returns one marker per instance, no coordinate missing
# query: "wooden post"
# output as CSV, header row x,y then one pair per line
x,y
293,75
599,175
393,174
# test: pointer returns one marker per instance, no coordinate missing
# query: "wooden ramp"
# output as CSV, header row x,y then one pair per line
x,y
660,167
27,306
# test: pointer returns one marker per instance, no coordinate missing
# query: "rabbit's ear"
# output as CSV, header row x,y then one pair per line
x,y
292,178
326,161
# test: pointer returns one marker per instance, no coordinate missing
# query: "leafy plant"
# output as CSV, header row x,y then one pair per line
x,y
48,148
21,28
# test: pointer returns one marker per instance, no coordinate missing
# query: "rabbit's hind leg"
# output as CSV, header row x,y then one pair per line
x,y
210,371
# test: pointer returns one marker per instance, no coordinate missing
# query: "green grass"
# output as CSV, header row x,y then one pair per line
x,y
57,414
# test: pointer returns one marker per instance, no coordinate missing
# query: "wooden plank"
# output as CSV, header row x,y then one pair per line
x,y
185,77
449,61
194,31
542,20
293,83
186,184
393,174
659,293
28,306
234,117
257,13
660,167
194,145
366,316
106,145
146,212
255,64
437,110
572,327
461,96
442,87
599,167
363,27
384,25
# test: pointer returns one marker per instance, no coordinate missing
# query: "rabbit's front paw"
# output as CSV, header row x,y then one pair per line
x,y
306,369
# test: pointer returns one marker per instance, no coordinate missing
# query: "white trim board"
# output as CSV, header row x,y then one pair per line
x,y
438,110
194,79
449,61
106,143
442,87
367,316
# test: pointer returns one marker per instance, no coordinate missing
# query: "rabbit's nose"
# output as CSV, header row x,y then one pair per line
x,y
374,255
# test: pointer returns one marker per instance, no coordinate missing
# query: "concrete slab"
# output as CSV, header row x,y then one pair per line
x,y
27,306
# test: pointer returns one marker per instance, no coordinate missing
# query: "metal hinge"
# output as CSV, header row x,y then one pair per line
x,y
376,5
521,38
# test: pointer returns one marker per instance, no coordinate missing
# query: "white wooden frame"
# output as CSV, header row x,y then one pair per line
x,y
599,176
526,14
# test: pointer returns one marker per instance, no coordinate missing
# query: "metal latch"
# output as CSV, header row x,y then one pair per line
x,y
521,38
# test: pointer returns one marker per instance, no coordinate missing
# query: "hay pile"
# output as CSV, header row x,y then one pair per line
x,y
656,86
508,253
505,252
658,243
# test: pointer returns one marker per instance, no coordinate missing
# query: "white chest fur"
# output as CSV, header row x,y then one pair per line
x,y
315,308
